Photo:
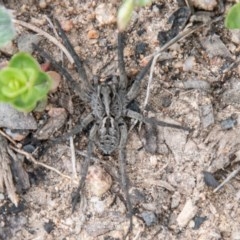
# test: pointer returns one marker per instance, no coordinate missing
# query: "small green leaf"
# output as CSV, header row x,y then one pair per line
x,y
23,84
142,3
125,14
232,20
7,31
24,60
12,82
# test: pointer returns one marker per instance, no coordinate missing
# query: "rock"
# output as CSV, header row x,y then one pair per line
x,y
48,226
228,123
188,212
105,14
98,180
17,135
57,118
11,118
25,41
235,35
9,49
176,197
56,77
93,34
209,179
149,218
215,47
207,5
198,221
67,25
207,117
189,63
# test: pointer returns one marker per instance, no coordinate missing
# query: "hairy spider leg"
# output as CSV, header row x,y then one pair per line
x,y
77,194
135,115
121,63
76,58
82,94
135,88
77,129
122,168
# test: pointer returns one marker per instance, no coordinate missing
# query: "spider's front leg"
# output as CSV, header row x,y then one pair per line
x,y
122,168
137,116
76,197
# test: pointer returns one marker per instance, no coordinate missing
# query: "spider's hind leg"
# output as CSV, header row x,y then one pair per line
x,y
123,174
76,196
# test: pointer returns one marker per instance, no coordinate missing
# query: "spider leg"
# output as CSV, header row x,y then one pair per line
x,y
121,63
134,90
122,168
76,197
77,129
141,118
76,58
63,72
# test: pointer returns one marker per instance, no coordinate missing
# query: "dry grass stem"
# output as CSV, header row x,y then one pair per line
x,y
32,159
47,36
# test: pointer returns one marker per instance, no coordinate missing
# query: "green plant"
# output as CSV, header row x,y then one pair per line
x,y
232,20
126,10
7,31
22,83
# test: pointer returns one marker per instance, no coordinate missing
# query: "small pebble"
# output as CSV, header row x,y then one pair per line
x,y
11,118
56,77
29,148
67,25
176,197
149,218
207,5
189,63
17,135
105,14
188,212
141,48
42,4
48,226
228,123
98,180
198,221
209,179
93,34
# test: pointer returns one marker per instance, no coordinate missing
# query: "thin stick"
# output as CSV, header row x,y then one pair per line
x,y
155,56
8,138
46,35
32,159
230,176
73,157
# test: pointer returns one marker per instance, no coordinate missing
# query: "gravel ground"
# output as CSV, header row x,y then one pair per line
x,y
166,167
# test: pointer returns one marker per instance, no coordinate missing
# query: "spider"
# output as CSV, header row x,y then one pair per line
x,y
110,106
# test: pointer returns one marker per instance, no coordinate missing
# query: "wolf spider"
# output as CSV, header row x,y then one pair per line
x,y
110,104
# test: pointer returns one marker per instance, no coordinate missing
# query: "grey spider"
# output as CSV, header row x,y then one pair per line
x,y
109,102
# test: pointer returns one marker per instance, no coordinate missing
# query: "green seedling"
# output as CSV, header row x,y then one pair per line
x,y
232,20
7,31
126,10
22,83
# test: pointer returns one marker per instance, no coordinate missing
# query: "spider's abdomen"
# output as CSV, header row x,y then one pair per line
x,y
108,135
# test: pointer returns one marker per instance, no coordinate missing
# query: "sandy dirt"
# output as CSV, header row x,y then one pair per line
x,y
165,166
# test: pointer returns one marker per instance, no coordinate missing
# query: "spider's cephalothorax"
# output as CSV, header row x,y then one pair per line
x,y
109,103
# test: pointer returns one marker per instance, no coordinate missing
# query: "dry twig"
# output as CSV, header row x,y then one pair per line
x,y
230,176
46,35
182,35
32,159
